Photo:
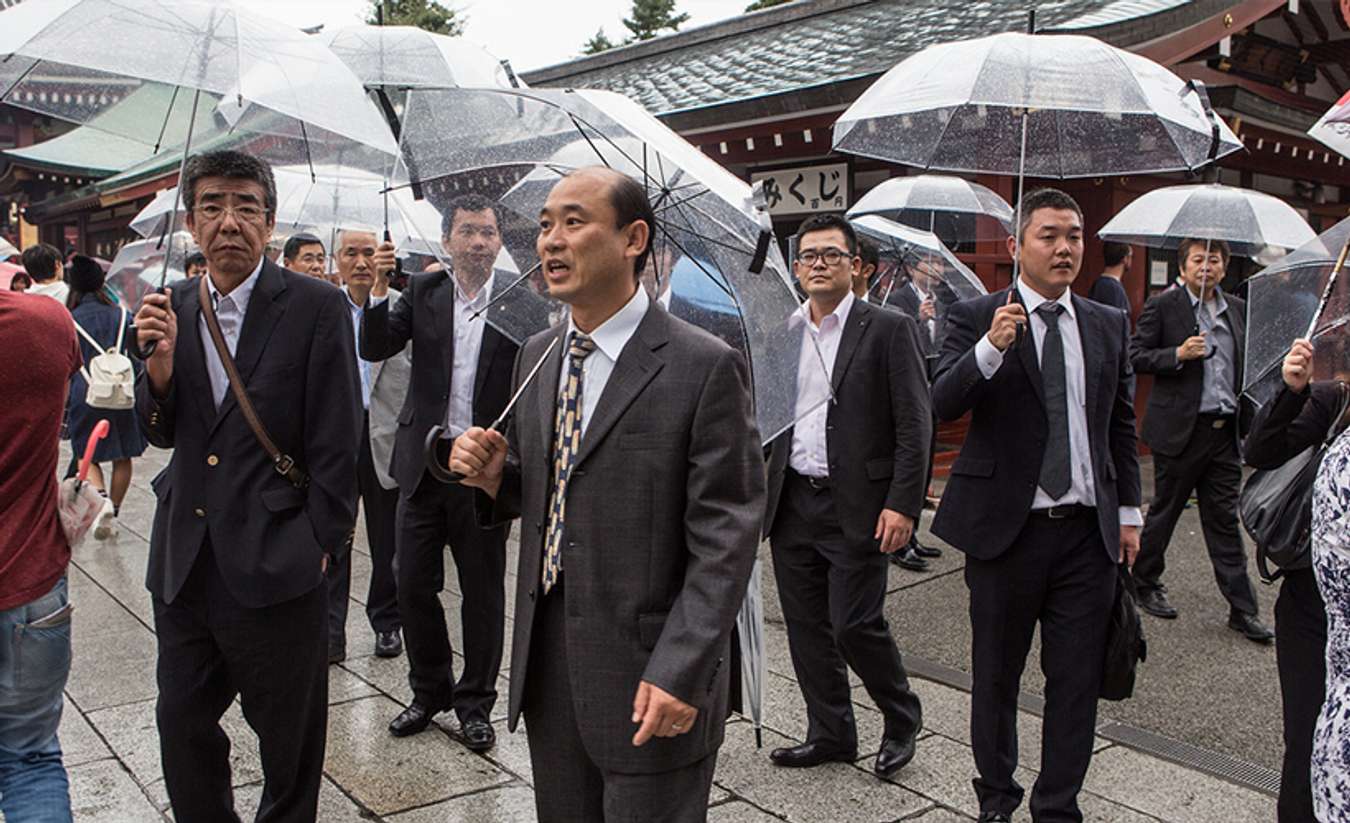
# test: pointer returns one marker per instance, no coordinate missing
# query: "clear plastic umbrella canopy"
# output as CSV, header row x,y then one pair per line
x,y
713,261
962,210
1333,128
138,266
406,57
1248,221
1092,109
1298,297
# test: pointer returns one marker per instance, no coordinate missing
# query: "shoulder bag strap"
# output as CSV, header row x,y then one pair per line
x,y
98,349
283,463
121,326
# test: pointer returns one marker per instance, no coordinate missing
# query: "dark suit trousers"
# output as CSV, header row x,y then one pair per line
x,y
1300,655
432,516
1055,573
568,786
833,592
379,505
210,649
1211,466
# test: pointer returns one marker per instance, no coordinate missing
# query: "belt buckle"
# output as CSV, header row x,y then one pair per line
x,y
1057,513
283,465
815,482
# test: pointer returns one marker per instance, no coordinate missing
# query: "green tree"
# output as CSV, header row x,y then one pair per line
x,y
764,4
424,14
651,17
600,42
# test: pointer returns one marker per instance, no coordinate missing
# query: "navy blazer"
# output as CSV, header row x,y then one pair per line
x,y
993,480
295,356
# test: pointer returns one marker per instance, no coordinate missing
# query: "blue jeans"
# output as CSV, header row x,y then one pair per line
x,y
34,665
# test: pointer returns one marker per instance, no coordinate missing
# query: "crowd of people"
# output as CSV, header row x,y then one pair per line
x,y
623,444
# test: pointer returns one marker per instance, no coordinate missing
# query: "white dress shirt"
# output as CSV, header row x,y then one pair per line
x,y
810,454
610,337
230,311
468,345
362,366
1082,486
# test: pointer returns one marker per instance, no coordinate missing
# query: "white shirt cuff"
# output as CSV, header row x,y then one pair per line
x,y
988,358
1131,516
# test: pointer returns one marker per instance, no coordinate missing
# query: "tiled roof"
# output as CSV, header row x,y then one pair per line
x,y
803,44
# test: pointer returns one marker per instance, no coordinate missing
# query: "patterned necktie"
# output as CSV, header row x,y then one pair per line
x,y
1054,477
566,441
228,318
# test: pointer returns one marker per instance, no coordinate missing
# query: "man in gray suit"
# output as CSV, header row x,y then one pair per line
x,y
636,469
384,384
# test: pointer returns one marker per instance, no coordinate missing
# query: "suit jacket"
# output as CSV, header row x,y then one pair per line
x,y
296,358
663,515
388,391
425,314
1292,422
878,429
1165,322
993,480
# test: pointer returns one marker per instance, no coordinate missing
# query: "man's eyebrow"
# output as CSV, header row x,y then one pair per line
x,y
564,208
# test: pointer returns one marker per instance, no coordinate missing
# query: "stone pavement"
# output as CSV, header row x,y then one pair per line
x,y
112,751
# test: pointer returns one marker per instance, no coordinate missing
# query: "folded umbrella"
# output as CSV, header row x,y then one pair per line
x,y
79,503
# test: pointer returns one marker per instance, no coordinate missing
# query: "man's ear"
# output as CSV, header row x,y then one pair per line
x,y
639,237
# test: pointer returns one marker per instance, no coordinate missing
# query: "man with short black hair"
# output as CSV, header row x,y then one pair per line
x,y
1107,288
44,265
304,254
846,485
1192,340
1043,500
243,533
195,265
869,256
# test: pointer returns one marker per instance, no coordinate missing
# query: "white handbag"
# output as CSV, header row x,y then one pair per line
x,y
112,382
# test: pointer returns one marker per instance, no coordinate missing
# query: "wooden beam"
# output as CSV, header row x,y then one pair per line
x,y
1291,21
1316,20
1173,48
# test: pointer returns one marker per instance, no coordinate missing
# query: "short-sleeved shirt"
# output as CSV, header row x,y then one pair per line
x,y
38,355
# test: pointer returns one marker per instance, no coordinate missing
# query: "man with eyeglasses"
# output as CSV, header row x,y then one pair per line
x,y
240,542
304,254
384,385
461,378
846,484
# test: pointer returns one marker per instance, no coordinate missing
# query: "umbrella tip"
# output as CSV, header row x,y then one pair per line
x,y
759,738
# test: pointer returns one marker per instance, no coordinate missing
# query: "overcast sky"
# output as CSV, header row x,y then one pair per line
x,y
529,33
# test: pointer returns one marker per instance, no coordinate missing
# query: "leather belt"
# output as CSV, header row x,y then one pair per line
x,y
1068,511
817,483
1215,421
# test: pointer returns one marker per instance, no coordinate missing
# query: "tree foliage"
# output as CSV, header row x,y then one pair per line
x,y
651,17
759,5
600,42
424,14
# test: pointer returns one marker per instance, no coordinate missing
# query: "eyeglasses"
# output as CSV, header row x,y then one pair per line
x,y
831,256
245,214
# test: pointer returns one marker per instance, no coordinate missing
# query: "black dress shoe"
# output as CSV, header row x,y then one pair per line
x,y
1154,601
906,559
809,754
388,644
994,817
411,720
476,735
895,754
925,551
336,655
1251,628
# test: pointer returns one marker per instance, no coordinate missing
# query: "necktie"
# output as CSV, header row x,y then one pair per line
x,y
566,441
228,318
1054,477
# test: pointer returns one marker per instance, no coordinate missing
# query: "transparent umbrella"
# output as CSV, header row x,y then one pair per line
x,y
141,265
968,211
713,262
1248,221
1333,128
1305,295
406,57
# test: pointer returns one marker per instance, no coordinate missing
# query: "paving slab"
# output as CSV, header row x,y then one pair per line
x,y
390,774
79,742
112,669
514,803
1171,792
103,792
739,812
334,806
512,752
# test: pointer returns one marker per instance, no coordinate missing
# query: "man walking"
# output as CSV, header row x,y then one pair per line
x,y
1107,288
845,489
44,265
242,532
1191,339
384,386
35,610
636,469
1043,500
304,254
461,378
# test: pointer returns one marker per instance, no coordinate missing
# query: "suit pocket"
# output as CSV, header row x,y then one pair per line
x,y
650,626
881,468
283,499
973,467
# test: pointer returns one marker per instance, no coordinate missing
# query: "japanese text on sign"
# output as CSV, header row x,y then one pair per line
x,y
805,189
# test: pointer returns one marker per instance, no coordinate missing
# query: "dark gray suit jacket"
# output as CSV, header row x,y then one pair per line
x,y
663,514
1165,322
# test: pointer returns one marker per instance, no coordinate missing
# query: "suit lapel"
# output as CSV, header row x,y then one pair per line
x,y
265,307
858,318
545,391
195,373
1238,324
441,302
632,372
1026,353
1090,338
486,352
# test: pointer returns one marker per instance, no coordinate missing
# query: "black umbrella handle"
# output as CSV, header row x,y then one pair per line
x,y
148,350
438,460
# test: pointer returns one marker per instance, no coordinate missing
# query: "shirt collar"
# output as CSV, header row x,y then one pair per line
x,y
840,311
612,335
1032,299
1220,304
478,300
241,293
351,304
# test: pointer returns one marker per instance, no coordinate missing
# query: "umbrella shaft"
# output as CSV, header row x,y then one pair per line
x,y
182,169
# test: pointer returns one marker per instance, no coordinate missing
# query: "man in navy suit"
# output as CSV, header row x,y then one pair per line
x,y
1043,500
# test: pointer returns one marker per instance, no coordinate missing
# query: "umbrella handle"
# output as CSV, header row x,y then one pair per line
x,y
100,431
148,350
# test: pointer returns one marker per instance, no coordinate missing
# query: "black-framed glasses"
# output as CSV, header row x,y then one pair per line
x,y
830,256
211,212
